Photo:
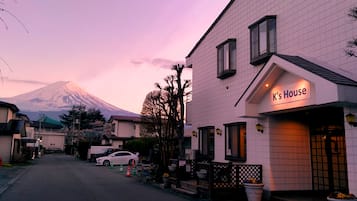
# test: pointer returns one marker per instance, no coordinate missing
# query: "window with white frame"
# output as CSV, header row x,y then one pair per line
x,y
226,59
262,39
235,136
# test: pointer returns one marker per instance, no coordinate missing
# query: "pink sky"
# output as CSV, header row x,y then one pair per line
x,y
114,49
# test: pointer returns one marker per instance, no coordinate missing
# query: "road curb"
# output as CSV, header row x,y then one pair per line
x,y
3,188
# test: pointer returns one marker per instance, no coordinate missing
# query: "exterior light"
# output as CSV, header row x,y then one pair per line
x,y
218,131
259,127
351,119
194,133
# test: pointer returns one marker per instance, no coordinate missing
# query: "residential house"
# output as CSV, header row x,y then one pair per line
x,y
123,128
11,131
272,85
50,134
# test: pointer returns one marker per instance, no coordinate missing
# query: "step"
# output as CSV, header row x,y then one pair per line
x,y
183,190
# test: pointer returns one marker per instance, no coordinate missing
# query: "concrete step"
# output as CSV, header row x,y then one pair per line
x,y
191,192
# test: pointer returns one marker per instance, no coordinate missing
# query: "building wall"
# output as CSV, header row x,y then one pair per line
x,y
213,99
315,30
52,140
351,149
125,129
3,115
5,147
290,162
6,114
117,144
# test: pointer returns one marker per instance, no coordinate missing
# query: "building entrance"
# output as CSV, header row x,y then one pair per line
x,y
328,151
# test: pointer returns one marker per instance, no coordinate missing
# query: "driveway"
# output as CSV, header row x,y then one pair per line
x,y
61,177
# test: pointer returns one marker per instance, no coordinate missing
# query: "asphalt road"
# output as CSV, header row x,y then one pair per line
x,y
61,177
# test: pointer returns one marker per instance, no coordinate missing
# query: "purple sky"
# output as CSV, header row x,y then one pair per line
x,y
114,49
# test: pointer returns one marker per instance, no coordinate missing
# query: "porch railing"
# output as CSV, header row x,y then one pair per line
x,y
223,178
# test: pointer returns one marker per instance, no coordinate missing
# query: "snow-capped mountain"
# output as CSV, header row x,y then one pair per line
x,y
59,97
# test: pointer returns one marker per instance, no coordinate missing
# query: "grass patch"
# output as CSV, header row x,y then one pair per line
x,y
6,165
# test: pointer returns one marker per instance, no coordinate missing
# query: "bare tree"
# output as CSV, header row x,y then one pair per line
x,y
352,44
165,108
3,13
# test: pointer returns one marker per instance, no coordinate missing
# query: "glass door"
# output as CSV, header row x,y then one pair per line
x,y
328,155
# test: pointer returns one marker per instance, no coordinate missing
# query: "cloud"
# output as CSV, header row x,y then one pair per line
x,y
157,62
5,79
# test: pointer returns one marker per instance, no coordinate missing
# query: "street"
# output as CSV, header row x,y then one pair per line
x,y
61,177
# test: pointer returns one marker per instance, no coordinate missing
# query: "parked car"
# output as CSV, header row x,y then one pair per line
x,y
118,158
108,151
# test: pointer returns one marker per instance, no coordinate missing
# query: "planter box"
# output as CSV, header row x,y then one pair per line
x,y
334,199
254,191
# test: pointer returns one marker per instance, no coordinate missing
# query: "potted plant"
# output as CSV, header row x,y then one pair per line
x,y
254,189
338,196
165,179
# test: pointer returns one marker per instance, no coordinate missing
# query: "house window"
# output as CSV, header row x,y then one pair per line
x,y
206,142
262,40
226,59
235,142
113,128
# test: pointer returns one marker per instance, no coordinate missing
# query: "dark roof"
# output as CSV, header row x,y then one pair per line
x,y
47,122
319,70
13,107
125,118
211,27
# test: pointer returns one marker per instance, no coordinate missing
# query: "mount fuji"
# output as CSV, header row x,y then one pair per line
x,y
58,98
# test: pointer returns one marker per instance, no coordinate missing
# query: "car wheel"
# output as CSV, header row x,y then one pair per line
x,y
106,163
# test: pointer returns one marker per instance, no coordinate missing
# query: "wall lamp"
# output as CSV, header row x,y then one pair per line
x,y
259,127
194,133
218,131
351,119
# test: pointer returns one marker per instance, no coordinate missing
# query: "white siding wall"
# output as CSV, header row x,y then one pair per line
x,y
126,129
136,129
317,30
5,147
289,156
3,115
351,149
52,140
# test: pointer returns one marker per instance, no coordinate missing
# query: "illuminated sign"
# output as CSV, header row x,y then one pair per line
x,y
290,93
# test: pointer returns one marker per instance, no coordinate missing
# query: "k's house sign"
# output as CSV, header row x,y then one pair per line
x,y
290,93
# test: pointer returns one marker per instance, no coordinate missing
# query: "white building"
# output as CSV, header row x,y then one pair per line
x,y
124,128
272,85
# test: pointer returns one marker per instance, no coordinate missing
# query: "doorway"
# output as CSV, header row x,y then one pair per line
x,y
328,151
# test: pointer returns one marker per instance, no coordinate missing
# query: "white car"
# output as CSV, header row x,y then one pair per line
x,y
118,158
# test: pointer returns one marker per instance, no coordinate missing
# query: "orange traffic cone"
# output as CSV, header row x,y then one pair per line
x,y
128,173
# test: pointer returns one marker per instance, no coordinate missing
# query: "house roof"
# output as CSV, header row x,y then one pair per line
x,y
319,70
13,107
210,28
306,65
47,122
125,118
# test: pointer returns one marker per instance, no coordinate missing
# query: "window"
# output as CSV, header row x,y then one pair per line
x,y
113,128
226,59
206,142
236,142
262,40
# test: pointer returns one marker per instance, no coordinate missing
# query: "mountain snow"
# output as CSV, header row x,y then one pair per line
x,y
61,96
